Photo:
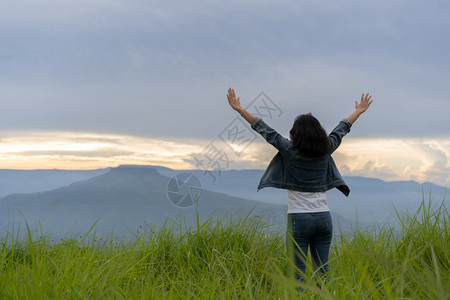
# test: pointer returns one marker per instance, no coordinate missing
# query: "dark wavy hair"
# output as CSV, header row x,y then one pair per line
x,y
308,137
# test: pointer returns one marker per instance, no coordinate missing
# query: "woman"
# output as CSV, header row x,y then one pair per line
x,y
304,167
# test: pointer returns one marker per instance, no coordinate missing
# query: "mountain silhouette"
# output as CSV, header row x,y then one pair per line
x,y
32,181
122,200
371,200
126,199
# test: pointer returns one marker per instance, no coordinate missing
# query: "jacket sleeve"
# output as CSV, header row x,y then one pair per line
x,y
270,135
338,133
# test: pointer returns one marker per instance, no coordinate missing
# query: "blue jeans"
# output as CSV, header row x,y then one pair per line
x,y
313,231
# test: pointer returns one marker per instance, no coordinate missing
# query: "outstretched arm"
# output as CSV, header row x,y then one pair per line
x,y
268,133
360,107
235,103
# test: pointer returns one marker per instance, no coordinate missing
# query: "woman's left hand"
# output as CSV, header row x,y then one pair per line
x,y
234,102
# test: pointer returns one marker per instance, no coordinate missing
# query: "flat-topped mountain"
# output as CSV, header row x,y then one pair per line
x,y
125,198
121,200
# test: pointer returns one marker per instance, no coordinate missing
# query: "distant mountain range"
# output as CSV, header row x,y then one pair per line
x,y
31,181
370,201
121,201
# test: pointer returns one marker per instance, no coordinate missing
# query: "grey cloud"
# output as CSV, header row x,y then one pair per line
x,y
124,67
370,169
105,38
439,171
67,153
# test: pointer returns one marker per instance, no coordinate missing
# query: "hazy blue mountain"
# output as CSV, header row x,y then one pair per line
x,y
371,200
127,197
374,200
31,181
121,200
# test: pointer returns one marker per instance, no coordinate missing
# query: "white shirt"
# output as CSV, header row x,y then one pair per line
x,y
306,202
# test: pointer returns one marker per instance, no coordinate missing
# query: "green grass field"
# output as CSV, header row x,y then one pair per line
x,y
233,260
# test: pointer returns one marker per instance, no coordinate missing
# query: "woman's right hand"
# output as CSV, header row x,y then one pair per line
x,y
364,104
360,107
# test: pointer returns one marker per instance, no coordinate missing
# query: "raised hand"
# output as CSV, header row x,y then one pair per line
x,y
360,107
364,104
234,102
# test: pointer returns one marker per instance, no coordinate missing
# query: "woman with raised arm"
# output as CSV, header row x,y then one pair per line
x,y
304,167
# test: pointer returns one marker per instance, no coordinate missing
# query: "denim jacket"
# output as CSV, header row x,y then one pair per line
x,y
292,171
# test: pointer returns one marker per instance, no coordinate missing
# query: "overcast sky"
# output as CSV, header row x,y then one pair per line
x,y
157,72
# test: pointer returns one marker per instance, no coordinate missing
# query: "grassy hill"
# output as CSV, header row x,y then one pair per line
x,y
232,259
